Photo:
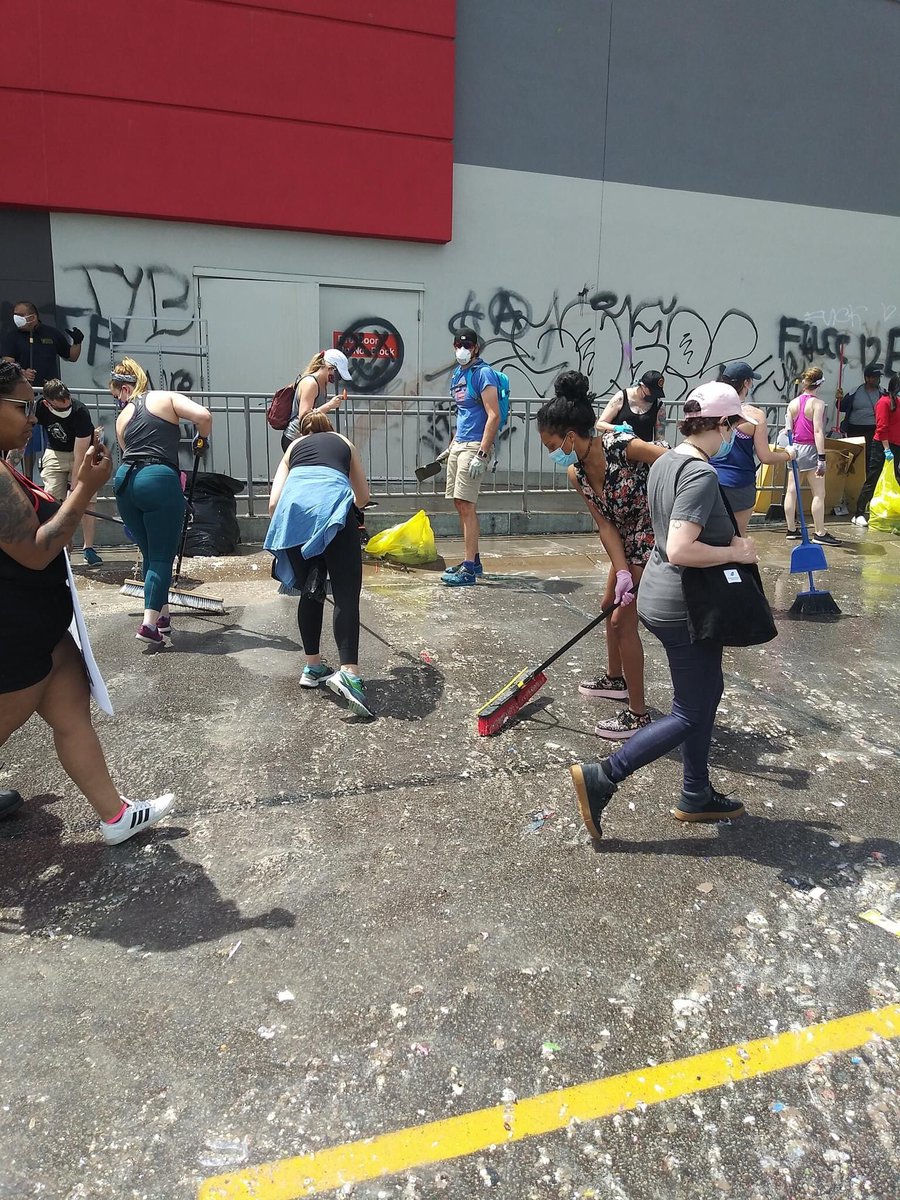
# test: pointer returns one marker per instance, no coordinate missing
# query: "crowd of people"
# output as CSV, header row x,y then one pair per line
x,y
657,511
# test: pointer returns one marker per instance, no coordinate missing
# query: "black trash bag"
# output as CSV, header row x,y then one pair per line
x,y
214,529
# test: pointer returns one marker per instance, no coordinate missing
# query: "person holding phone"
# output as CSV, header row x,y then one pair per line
x,y
41,668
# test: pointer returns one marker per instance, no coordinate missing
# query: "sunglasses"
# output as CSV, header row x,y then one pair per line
x,y
464,343
30,406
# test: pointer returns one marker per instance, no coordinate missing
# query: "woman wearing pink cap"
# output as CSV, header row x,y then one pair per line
x,y
692,528
312,386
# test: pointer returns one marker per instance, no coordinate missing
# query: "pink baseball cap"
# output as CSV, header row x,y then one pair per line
x,y
717,400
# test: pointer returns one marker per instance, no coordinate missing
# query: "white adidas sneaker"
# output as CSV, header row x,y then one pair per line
x,y
138,816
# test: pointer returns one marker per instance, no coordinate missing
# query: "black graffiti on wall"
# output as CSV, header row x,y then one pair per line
x,y
113,295
610,338
374,348
800,343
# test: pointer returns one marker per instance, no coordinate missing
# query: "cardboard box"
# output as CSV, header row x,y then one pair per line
x,y
845,474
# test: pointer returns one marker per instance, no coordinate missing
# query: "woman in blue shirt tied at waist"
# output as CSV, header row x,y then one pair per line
x,y
737,468
313,533
147,485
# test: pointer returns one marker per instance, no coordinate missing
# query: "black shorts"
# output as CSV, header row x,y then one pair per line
x,y
33,621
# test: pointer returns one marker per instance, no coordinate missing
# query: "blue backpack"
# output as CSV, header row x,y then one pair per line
x,y
502,384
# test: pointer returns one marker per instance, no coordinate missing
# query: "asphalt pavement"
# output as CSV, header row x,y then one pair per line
x,y
349,928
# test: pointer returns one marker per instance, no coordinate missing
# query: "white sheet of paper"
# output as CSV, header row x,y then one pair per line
x,y
79,632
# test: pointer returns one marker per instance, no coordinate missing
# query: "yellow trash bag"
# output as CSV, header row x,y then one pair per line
x,y
411,543
884,511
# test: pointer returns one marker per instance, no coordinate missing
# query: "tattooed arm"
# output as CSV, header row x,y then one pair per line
x,y
35,546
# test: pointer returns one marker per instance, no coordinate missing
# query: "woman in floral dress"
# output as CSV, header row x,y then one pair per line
x,y
610,472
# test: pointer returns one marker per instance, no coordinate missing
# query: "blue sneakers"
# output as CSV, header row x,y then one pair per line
x,y
91,557
313,676
342,683
463,575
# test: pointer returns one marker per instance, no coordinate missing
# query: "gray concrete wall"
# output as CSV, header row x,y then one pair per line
x,y
789,101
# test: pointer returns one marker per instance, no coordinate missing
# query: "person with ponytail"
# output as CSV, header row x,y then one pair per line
x,y
806,422
147,485
609,470
41,668
312,385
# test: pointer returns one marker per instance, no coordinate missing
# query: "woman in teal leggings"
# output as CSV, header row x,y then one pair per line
x,y
148,483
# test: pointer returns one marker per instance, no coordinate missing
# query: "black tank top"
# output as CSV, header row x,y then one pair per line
x,y
321,450
149,436
45,507
643,424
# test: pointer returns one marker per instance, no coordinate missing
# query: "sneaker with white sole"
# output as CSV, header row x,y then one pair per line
x,y
607,687
138,816
623,725
859,519
151,635
313,676
164,626
342,683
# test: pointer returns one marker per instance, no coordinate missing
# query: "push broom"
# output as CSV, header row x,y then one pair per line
x,y
501,708
177,597
806,558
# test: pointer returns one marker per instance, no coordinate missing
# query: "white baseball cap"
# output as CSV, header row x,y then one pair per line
x,y
338,360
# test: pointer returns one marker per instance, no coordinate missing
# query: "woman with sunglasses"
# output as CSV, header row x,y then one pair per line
x,y
41,668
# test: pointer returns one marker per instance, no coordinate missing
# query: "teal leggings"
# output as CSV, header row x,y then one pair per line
x,y
151,503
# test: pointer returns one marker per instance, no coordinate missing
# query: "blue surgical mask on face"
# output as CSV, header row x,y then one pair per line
x,y
725,449
562,459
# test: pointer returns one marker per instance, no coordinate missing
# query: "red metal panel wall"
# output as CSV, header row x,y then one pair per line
x,y
334,116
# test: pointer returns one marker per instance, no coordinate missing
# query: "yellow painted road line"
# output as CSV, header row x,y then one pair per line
x,y
456,1137
874,917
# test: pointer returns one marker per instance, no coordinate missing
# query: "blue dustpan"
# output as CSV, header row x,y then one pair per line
x,y
808,556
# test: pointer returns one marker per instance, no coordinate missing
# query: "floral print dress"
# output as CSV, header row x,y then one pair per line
x,y
623,500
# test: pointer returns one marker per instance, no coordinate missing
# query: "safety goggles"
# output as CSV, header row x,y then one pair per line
x,y
30,406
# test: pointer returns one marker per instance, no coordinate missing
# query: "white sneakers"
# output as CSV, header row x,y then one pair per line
x,y
138,816
858,521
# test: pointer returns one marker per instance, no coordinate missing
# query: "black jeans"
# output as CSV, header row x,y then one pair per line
x,y
873,474
696,670
343,558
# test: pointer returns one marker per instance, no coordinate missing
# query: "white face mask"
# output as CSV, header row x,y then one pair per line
x,y
20,321
61,412
463,356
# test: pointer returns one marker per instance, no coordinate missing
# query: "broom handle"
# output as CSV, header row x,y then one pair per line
x,y
187,517
805,531
577,638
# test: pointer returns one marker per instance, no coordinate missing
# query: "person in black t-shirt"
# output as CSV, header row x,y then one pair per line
x,y
37,349
70,431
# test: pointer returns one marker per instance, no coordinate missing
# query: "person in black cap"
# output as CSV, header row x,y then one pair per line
x,y
737,468
859,421
637,408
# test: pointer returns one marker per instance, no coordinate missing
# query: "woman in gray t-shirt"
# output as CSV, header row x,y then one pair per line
x,y
692,528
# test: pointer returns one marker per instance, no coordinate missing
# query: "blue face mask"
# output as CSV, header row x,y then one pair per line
x,y
562,459
725,449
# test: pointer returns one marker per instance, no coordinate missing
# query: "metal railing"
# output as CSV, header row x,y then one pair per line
x,y
393,434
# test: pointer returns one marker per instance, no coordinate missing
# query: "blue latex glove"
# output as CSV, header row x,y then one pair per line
x,y
889,454
477,466
626,428
624,588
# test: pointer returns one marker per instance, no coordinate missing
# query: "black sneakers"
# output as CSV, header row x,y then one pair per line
x,y
708,805
10,801
594,790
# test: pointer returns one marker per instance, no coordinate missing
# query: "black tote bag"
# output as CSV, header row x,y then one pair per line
x,y
727,604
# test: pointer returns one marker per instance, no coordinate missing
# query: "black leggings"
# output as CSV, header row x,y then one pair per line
x,y
343,558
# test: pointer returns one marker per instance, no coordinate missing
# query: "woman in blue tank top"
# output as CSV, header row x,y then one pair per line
x,y
737,468
148,483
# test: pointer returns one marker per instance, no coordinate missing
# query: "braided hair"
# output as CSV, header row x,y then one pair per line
x,y
10,378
